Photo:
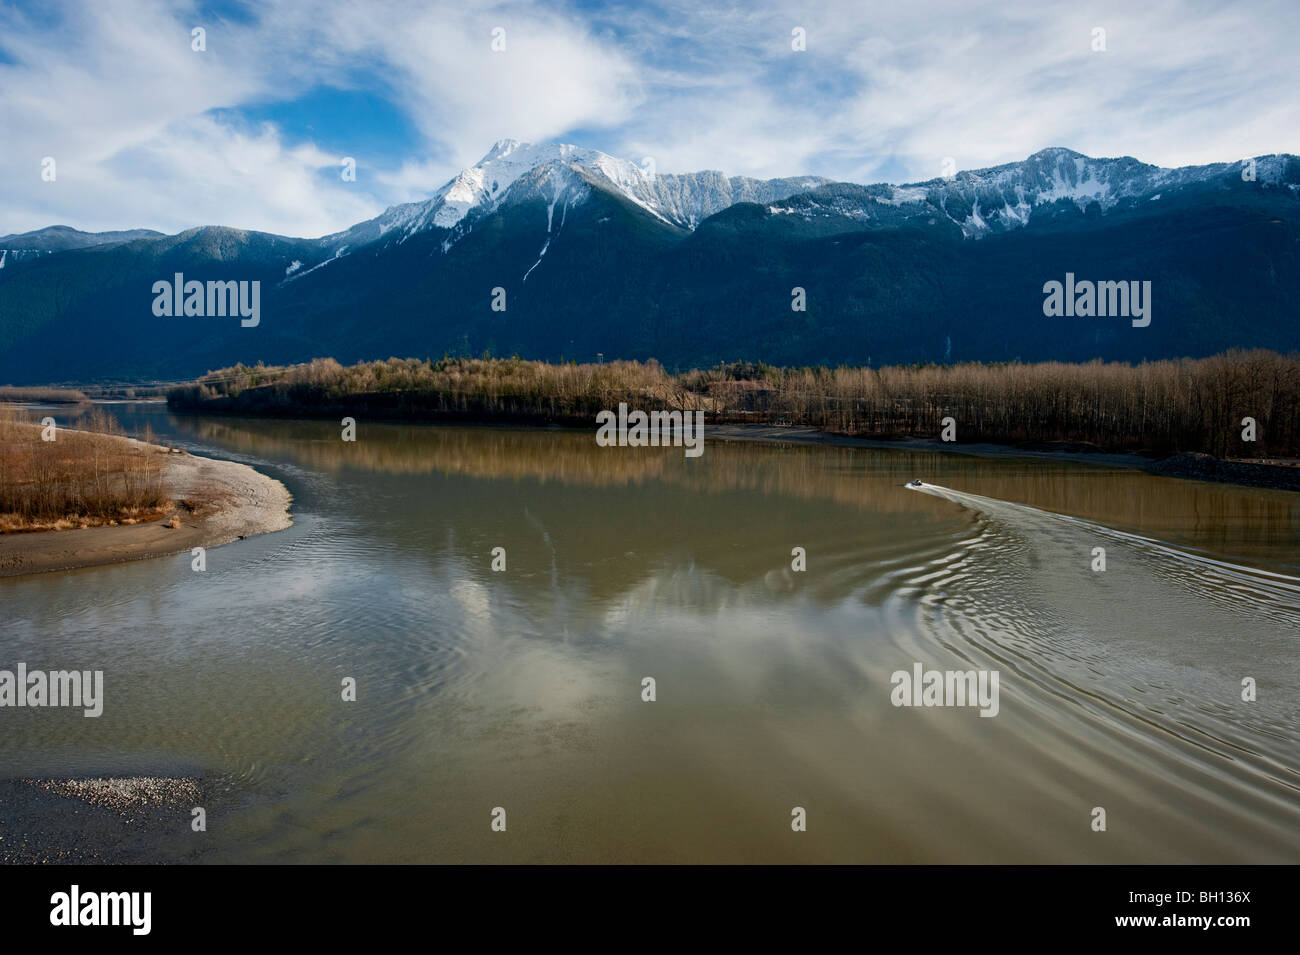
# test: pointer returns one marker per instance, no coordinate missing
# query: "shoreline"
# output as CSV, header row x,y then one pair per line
x,y
782,434
235,502
1188,466
1193,466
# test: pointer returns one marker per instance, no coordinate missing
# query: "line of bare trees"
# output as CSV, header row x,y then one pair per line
x,y
77,479
1163,406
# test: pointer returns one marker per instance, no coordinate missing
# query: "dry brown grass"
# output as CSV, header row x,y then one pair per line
x,y
59,395
206,499
80,479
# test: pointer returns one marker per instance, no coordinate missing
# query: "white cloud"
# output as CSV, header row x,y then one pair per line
x,y
889,88
115,94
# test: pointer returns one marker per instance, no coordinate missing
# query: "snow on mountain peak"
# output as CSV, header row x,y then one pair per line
x,y
508,160
679,200
980,201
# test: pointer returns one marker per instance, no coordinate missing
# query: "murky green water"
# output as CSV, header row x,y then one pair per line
x,y
522,689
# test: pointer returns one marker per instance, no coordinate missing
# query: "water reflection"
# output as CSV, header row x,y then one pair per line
x,y
522,688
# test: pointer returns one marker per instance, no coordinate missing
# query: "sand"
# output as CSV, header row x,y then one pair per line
x,y
240,503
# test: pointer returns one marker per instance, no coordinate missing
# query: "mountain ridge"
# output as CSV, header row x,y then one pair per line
x,y
686,199
600,258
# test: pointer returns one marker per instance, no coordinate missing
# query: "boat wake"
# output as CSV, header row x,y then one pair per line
x,y
1111,640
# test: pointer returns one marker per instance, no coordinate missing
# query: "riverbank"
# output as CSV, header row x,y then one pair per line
x,y
1284,476
213,503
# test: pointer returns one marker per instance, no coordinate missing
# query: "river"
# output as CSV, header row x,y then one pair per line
x,y
522,689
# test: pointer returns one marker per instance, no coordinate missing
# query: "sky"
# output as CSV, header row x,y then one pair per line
x,y
251,131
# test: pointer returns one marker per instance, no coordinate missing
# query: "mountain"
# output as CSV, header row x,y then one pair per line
x,y
1049,183
599,255
58,238
513,172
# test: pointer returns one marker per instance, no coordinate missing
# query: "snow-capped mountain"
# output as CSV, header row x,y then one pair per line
x,y
980,202
569,172
1001,198
599,256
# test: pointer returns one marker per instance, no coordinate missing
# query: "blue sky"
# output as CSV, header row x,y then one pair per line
x,y
147,132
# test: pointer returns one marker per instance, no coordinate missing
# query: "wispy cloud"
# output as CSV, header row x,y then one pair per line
x,y
147,132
